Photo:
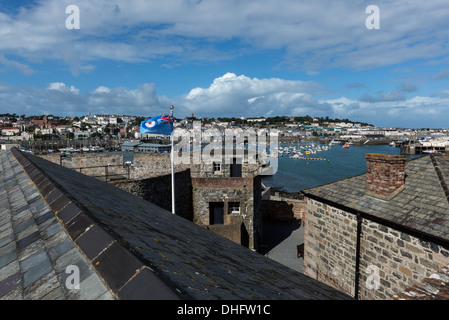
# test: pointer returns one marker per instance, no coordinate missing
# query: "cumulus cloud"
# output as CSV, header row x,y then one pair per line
x,y
60,86
143,100
61,99
230,95
101,90
240,95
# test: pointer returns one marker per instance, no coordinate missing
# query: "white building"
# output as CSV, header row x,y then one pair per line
x,y
10,131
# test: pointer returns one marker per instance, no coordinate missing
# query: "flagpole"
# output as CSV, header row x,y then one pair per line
x,y
172,167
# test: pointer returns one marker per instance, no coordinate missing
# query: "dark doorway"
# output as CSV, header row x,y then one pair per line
x,y
216,212
236,168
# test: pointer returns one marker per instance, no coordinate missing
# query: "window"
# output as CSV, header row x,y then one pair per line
x,y
217,167
236,168
234,207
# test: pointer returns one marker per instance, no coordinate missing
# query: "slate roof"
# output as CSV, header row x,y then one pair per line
x,y
135,249
421,207
34,248
435,287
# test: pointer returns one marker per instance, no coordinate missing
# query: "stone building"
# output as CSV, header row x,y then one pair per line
x,y
375,235
227,197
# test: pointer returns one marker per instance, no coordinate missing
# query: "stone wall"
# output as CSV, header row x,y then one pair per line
x,y
283,209
232,232
204,169
157,190
150,164
330,246
390,260
246,191
402,260
55,158
145,165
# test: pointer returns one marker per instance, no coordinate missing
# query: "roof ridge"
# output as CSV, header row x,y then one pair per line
x,y
441,180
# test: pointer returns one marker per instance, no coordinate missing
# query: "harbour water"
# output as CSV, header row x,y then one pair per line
x,y
294,175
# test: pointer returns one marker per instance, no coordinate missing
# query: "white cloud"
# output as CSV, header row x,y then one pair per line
x,y
102,89
61,99
314,35
240,95
60,86
229,95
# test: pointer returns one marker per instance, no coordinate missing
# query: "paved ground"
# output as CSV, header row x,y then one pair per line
x,y
281,241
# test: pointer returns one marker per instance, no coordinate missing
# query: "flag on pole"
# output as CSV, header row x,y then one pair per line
x,y
163,125
158,125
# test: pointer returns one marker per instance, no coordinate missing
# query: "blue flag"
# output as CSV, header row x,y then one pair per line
x,y
159,125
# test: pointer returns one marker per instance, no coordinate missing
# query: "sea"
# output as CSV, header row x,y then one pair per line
x,y
295,175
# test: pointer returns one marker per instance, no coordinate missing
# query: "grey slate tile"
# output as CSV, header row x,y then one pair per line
x,y
44,217
22,243
31,249
41,287
51,229
7,257
139,288
71,257
6,239
60,249
93,241
78,225
9,269
117,265
24,225
68,212
28,231
56,294
9,284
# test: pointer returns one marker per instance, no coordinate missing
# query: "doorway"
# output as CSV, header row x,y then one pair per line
x,y
216,213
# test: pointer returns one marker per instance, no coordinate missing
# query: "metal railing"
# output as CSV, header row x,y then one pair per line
x,y
108,176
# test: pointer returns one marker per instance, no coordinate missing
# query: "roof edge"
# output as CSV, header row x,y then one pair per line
x,y
440,177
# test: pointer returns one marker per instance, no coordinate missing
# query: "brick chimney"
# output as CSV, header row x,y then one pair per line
x,y
385,175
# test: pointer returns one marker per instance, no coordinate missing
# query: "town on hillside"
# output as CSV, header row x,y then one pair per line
x,y
98,132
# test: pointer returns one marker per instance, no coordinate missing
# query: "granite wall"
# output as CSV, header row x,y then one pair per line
x,y
390,260
157,190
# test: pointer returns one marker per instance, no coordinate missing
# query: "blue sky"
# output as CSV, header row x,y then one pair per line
x,y
228,58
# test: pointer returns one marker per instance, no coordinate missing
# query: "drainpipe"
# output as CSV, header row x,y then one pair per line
x,y
357,257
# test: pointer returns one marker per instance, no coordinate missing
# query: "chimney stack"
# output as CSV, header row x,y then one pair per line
x,y
385,175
